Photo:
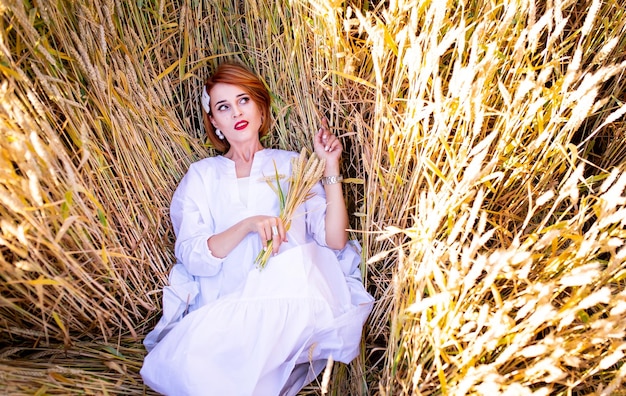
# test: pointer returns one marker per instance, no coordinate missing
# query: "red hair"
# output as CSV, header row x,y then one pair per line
x,y
237,74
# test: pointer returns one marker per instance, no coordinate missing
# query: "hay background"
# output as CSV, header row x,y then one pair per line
x,y
457,118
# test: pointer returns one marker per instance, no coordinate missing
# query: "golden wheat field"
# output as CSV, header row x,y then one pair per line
x,y
485,150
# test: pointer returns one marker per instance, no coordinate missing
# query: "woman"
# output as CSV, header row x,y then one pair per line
x,y
229,328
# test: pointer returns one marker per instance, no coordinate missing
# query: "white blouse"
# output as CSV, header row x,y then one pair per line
x,y
207,201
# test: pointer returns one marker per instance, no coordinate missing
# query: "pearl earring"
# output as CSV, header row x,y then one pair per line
x,y
219,134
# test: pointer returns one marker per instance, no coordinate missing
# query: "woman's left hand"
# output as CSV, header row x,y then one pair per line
x,y
326,144
328,147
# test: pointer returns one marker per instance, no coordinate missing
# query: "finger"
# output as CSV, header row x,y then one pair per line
x,y
280,237
325,128
332,141
325,123
264,230
282,230
275,246
323,136
276,241
336,145
318,142
269,231
265,237
273,223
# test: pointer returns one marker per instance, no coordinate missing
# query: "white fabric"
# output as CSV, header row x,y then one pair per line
x,y
228,328
243,183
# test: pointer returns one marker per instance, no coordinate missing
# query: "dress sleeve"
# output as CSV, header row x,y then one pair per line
x,y
315,208
193,225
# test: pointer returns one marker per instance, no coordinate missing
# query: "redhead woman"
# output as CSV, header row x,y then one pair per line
x,y
229,328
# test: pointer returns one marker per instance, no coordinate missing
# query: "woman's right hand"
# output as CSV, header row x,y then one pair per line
x,y
223,243
269,228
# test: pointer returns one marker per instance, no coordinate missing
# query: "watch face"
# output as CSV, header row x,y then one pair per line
x,y
331,179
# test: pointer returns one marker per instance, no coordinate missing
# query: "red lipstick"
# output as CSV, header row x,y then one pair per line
x,y
241,125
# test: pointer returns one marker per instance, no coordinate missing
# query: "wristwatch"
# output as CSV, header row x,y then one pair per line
x,y
332,179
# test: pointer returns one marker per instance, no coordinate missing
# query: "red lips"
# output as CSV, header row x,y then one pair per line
x,y
241,125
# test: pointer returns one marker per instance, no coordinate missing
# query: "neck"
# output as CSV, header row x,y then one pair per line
x,y
244,154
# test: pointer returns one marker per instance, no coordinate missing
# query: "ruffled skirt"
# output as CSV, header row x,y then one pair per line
x,y
272,337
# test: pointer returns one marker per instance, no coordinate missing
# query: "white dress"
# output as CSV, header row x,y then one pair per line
x,y
231,329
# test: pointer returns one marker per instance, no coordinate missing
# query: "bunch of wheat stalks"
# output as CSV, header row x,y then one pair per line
x,y
485,141
306,170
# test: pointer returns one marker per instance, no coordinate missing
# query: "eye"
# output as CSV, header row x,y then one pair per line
x,y
222,107
244,100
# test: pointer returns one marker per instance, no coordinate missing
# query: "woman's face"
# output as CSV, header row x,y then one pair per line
x,y
235,113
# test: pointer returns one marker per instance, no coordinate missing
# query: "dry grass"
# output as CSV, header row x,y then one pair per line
x,y
485,142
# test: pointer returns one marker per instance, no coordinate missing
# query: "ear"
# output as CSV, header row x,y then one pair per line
x,y
212,121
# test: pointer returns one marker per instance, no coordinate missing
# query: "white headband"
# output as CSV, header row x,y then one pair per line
x,y
206,100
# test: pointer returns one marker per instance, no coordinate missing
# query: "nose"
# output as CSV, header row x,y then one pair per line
x,y
236,111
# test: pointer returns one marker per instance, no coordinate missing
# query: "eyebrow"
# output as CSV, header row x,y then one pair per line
x,y
224,100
